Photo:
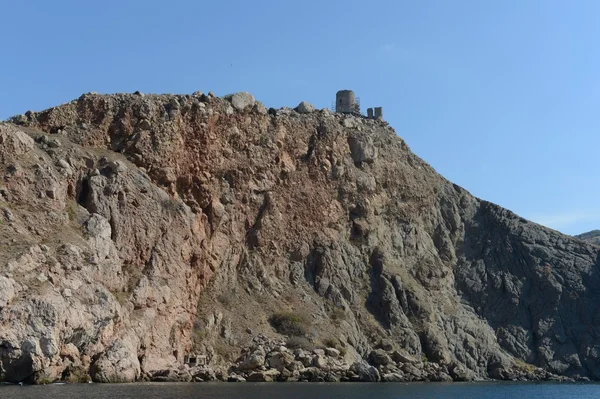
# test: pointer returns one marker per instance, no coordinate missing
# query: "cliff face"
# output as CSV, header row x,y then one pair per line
x,y
139,228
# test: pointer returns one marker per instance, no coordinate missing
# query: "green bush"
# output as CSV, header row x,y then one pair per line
x,y
289,323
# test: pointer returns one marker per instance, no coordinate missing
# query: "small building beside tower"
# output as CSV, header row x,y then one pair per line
x,y
346,102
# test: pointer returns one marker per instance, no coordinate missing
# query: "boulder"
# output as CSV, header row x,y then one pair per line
x,y
15,141
263,376
305,108
242,100
379,357
280,360
236,378
332,352
459,372
253,361
393,377
204,373
365,372
399,357
320,362
312,374
117,364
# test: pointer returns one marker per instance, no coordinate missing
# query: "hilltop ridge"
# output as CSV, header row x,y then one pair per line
x,y
591,236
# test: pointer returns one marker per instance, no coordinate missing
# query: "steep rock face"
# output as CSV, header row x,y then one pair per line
x,y
194,221
94,274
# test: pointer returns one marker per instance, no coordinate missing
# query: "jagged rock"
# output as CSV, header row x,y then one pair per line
x,y
319,362
332,352
255,360
236,378
7,291
362,148
260,108
280,360
117,166
263,376
459,372
313,374
386,345
399,357
412,372
365,372
53,143
379,357
204,373
331,377
393,377
14,141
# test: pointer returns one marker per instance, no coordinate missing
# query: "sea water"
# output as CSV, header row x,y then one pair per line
x,y
479,390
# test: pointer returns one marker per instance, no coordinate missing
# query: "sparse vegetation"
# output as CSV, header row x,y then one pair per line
x,y
299,343
335,343
524,366
225,299
290,323
337,316
44,381
225,351
71,212
78,375
264,140
331,342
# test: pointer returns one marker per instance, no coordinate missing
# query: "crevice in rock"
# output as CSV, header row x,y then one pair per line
x,y
83,191
252,233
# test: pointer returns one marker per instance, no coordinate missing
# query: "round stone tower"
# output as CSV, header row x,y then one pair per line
x,y
345,101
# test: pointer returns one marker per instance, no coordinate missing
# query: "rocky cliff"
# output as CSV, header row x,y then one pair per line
x,y
141,230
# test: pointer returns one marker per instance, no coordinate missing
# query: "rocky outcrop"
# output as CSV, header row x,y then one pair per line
x,y
141,231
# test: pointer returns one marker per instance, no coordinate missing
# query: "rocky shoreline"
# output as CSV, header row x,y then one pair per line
x,y
273,361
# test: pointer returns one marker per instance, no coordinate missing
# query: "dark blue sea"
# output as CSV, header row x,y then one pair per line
x,y
480,390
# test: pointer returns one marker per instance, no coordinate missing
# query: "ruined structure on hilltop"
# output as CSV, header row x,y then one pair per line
x,y
346,102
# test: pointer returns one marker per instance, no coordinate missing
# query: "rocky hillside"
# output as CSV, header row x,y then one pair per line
x,y
141,230
591,237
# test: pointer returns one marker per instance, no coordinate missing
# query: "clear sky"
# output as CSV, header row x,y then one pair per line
x,y
501,97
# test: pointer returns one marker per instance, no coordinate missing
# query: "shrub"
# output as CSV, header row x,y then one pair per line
x,y
332,342
299,343
336,344
337,316
225,300
289,323
78,375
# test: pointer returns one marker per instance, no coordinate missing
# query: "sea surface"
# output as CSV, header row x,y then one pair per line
x,y
480,390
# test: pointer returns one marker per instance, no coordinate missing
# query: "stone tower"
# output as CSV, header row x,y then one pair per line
x,y
345,102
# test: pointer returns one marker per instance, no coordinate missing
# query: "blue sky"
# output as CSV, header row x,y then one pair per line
x,y
501,97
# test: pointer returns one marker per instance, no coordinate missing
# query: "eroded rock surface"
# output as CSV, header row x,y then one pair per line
x,y
139,231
